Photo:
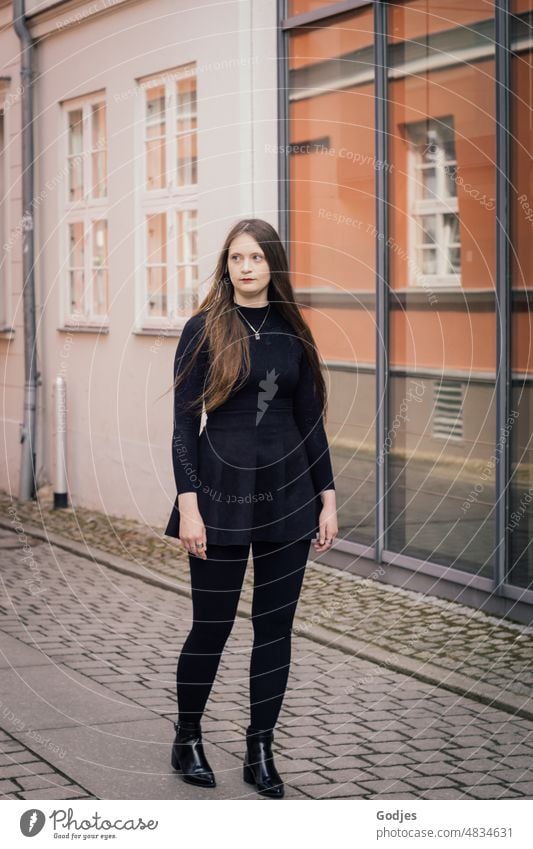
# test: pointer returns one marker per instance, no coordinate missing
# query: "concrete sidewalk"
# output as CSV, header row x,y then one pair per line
x,y
90,640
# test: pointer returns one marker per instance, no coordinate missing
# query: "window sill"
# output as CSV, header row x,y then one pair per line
x,y
83,328
7,333
158,331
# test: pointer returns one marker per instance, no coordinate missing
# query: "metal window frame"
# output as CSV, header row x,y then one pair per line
x,y
502,37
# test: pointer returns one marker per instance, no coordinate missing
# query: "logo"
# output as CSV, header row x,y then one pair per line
x,y
31,822
268,390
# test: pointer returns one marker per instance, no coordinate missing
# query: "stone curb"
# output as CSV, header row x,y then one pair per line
x,y
423,671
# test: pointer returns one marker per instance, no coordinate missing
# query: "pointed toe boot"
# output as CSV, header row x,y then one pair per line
x,y
188,756
259,767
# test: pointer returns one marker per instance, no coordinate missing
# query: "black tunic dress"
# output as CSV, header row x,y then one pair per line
x,y
263,456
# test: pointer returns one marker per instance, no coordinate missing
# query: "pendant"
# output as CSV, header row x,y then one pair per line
x,y
257,335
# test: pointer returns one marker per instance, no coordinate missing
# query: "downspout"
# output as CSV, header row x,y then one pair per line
x,y
27,487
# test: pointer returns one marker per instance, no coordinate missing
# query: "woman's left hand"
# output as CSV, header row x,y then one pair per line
x,y
328,528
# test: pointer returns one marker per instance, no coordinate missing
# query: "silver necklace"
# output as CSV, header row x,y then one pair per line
x,y
256,331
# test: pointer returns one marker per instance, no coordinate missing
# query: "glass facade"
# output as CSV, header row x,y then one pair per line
x,y
442,329
405,245
332,219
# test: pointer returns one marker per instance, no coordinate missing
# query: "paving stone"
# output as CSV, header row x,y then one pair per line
x,y
355,775
34,781
470,778
346,791
443,793
70,792
398,771
313,778
308,752
523,787
433,781
386,785
285,765
491,791
345,762
399,796
7,786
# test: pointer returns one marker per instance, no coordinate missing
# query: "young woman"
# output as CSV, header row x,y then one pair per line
x,y
259,474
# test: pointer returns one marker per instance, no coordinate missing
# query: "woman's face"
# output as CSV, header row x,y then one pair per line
x,y
248,269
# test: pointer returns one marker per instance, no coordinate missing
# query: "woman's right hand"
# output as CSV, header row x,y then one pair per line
x,y
192,529
192,532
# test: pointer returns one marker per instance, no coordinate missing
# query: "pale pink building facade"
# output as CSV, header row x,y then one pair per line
x,y
149,144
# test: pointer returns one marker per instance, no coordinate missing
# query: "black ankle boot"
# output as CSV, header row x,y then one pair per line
x,y
259,768
188,755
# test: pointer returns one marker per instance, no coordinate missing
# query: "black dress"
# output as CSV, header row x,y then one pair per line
x,y
263,456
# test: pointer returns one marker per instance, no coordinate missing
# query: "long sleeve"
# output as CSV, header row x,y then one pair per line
x,y
187,420
308,416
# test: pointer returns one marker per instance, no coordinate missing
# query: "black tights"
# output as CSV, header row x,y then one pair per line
x,y
216,587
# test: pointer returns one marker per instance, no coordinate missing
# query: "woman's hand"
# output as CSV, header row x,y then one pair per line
x,y
327,522
192,533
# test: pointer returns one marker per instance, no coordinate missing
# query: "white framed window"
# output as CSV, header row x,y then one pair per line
x,y
85,229
434,225
168,197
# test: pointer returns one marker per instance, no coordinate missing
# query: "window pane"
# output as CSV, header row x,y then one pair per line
x,y
75,179
155,138
521,487
442,340
75,154
77,285
76,252
332,239
98,155
156,264
187,271
99,259
76,267
186,152
75,132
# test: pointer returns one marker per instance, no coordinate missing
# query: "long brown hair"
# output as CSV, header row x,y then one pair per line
x,y
228,343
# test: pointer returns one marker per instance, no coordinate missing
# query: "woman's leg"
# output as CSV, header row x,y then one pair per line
x,y
216,585
278,574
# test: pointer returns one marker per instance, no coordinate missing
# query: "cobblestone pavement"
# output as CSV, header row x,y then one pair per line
x,y
403,625
88,679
